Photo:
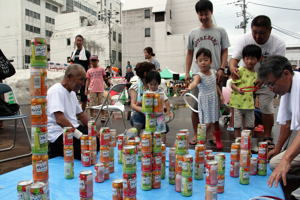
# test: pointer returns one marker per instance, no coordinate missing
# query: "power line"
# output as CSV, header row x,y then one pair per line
x,y
259,4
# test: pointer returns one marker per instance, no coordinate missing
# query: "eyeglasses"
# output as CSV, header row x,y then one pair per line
x,y
271,84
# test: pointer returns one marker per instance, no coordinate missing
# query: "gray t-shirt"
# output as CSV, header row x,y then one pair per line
x,y
215,39
156,63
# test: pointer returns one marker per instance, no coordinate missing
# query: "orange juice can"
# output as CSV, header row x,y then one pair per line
x,y
38,111
40,167
38,86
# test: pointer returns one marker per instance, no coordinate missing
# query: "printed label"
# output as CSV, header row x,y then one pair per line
x,y
132,183
37,82
36,110
40,50
146,180
82,184
43,138
146,161
41,166
145,143
69,153
181,144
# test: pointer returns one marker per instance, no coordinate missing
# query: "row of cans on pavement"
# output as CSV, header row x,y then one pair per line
x,y
129,172
29,190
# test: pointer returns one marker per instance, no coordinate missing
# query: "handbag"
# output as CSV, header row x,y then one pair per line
x,y
7,109
6,68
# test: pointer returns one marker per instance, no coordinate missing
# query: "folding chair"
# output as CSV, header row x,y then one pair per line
x,y
4,88
117,107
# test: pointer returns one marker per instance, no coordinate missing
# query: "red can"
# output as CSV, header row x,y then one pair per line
x,y
235,152
253,166
234,169
172,157
84,142
68,153
92,143
99,172
178,166
221,181
156,179
105,136
199,153
263,150
120,141
147,163
86,184
157,157
129,185
117,186
209,157
246,139
104,154
86,158
68,135
208,151
106,171
245,158
212,173
93,157
92,130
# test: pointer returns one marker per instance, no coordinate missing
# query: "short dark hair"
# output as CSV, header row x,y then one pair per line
x,y
262,21
149,51
153,75
252,50
274,65
204,52
79,36
143,67
203,5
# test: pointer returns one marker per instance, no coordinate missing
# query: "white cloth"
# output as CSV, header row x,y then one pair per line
x,y
81,56
289,107
59,99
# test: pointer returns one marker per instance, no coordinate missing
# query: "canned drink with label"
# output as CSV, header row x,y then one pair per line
x,y
129,159
38,52
146,181
178,165
199,171
93,157
244,175
201,134
23,189
120,141
146,163
262,150
111,166
104,154
220,158
211,192
38,85
209,157
117,186
38,111
40,167
84,142
39,142
181,144
234,169
186,186
69,170
68,135
221,181
156,179
105,136
187,165
113,134
158,103
99,172
129,185
211,173
186,133
171,175
235,152
86,158
130,134
245,158
157,142
172,157
199,153
86,183
178,178
253,166
262,167
147,102
157,160
38,190
146,142
92,130
150,124
68,153
246,139
92,142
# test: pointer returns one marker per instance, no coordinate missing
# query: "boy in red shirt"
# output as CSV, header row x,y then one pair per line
x,y
95,83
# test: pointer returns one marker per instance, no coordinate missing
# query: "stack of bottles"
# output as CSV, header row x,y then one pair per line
x,y
172,164
235,160
187,176
86,189
262,159
245,155
38,92
68,152
211,186
220,158
106,152
199,152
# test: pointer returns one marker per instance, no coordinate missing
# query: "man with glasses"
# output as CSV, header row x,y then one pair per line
x,y
277,73
271,45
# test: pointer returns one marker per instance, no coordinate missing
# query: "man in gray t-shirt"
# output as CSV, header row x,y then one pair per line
x,y
216,40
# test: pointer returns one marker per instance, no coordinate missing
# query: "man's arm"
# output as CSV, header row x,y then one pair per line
x,y
62,120
233,66
83,118
188,63
224,56
87,83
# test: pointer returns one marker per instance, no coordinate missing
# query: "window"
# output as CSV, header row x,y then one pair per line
x,y
114,35
120,38
159,16
68,41
147,32
114,55
27,59
79,5
49,33
49,20
51,7
32,14
27,43
120,57
147,13
32,29
37,2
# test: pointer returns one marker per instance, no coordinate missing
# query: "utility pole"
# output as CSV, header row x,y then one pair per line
x,y
244,16
243,13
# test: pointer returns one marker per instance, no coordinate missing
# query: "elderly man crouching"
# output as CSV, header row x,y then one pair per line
x,y
63,110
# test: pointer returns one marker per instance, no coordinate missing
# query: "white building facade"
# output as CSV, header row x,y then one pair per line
x,y
22,20
293,54
162,24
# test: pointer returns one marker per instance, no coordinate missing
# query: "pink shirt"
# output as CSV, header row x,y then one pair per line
x,y
96,79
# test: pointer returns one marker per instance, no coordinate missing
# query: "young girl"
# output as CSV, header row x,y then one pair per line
x,y
208,98
153,81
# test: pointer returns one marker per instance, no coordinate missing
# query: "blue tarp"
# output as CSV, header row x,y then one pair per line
x,y
63,189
